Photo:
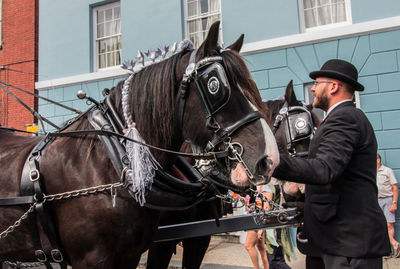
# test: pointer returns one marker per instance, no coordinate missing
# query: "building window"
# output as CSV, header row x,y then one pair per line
x,y
200,14
107,35
319,13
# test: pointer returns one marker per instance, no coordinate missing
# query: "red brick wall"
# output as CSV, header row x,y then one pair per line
x,y
18,60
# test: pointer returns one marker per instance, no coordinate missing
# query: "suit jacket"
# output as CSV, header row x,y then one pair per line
x,y
341,216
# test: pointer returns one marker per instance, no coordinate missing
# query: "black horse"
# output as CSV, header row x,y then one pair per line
x,y
195,248
203,96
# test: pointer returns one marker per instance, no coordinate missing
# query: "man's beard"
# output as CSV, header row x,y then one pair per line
x,y
321,102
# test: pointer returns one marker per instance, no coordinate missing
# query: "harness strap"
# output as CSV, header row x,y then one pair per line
x,y
187,77
223,133
114,149
31,185
21,200
114,117
34,230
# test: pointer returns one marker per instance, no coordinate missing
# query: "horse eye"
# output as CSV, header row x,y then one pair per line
x,y
213,85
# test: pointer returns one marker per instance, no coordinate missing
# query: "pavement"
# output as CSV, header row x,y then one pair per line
x,y
227,253
224,254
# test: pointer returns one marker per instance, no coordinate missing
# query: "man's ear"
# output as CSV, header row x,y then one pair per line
x,y
334,88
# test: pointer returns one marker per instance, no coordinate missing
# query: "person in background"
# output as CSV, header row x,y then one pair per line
x,y
257,238
342,217
281,242
388,194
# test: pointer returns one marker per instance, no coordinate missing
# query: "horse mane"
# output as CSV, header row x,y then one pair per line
x,y
153,97
152,100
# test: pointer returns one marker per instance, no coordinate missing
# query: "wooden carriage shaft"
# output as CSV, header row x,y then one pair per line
x,y
230,224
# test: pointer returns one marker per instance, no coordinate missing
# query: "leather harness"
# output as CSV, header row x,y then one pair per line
x,y
167,191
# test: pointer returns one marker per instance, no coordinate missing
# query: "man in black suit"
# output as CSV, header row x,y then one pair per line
x,y
342,218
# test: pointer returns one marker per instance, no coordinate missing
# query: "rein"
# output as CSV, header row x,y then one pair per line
x,y
208,155
34,113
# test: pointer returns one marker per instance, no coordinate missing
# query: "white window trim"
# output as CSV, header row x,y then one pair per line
x,y
186,19
94,29
335,33
357,99
349,19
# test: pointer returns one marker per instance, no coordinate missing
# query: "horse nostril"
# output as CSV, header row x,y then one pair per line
x,y
263,166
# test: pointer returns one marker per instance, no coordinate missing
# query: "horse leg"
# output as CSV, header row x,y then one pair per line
x,y
194,250
160,254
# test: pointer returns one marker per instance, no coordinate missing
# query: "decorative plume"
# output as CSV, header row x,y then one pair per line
x,y
164,51
152,55
174,47
129,65
158,52
140,57
185,44
223,48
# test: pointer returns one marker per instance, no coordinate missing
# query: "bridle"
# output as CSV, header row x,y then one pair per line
x,y
298,126
213,89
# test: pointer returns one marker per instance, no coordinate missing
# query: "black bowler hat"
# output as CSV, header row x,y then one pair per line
x,y
341,70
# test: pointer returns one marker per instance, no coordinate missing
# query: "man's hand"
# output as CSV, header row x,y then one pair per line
x,y
298,204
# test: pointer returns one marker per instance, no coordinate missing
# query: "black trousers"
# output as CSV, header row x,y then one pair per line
x,y
327,261
276,260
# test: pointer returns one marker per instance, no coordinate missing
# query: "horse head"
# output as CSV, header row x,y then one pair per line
x,y
293,123
221,112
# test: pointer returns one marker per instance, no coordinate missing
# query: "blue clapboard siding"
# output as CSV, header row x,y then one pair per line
x,y
375,55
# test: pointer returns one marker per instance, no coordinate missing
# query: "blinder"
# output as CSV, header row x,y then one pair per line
x,y
298,126
213,88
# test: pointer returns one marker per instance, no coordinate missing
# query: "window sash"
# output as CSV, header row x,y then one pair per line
x,y
324,13
107,36
200,14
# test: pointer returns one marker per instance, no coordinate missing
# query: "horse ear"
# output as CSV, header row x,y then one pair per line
x,y
210,43
290,96
238,44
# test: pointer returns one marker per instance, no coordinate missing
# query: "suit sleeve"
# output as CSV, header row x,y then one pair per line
x,y
338,141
